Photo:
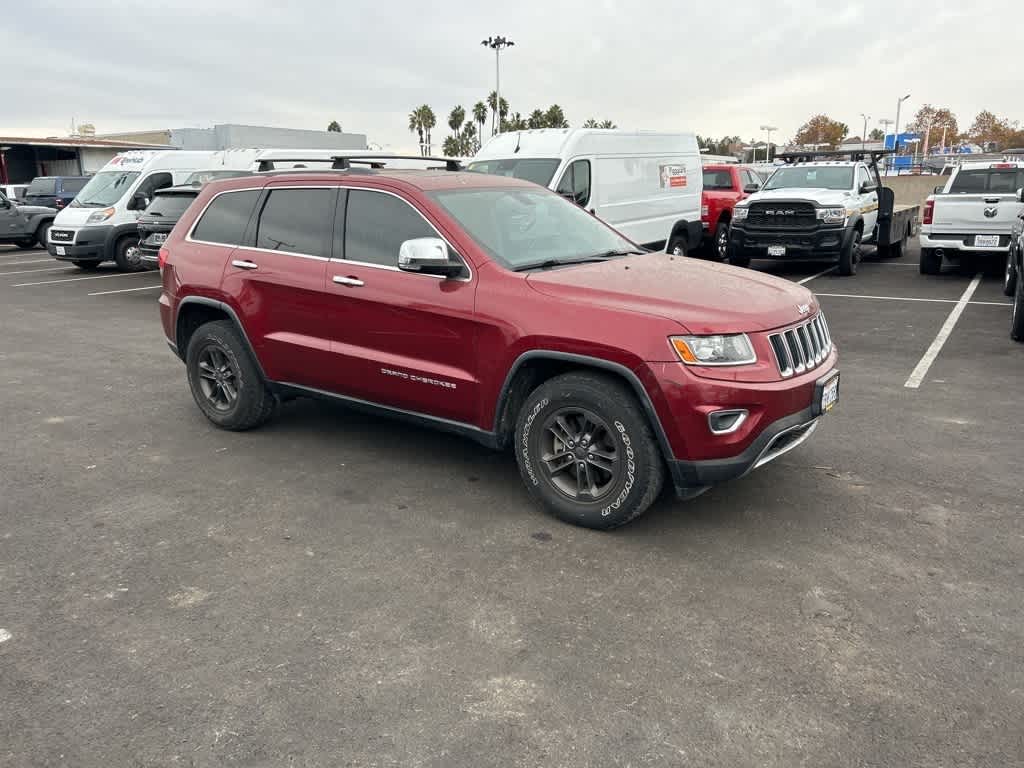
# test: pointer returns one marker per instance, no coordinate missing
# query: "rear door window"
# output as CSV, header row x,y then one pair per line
x,y
575,182
42,186
717,180
227,217
376,225
168,208
297,221
995,180
153,182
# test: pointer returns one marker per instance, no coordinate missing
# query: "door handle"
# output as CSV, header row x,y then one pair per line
x,y
244,264
353,282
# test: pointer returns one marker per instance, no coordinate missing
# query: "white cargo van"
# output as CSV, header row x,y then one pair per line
x,y
100,223
645,184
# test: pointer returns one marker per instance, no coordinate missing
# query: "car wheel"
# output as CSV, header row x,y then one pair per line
x,y
1010,274
1017,320
24,245
126,254
677,247
224,379
849,256
721,246
88,266
42,233
587,452
931,262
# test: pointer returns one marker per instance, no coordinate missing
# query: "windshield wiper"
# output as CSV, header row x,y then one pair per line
x,y
619,252
549,263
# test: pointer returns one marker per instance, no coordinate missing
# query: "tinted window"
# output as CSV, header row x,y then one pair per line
x,y
297,221
537,171
377,224
1000,181
575,183
717,180
42,186
73,186
169,207
152,183
226,218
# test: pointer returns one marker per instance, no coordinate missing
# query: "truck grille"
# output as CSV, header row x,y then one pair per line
x,y
803,347
781,215
62,235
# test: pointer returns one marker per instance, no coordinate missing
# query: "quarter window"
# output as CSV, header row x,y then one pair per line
x,y
575,183
227,217
376,225
297,221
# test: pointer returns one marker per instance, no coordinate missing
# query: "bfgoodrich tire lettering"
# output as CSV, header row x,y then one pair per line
x,y
591,421
224,379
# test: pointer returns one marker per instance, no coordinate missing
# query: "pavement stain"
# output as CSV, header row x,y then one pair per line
x,y
188,597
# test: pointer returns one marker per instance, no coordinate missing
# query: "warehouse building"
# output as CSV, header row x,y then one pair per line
x,y
233,136
22,159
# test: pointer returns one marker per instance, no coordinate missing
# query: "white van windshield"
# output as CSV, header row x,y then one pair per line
x,y
104,189
538,171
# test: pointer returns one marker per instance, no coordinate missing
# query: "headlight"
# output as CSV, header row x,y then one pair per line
x,y
97,217
832,215
739,213
732,349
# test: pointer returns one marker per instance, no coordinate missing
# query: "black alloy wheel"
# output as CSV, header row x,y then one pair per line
x,y
579,454
218,378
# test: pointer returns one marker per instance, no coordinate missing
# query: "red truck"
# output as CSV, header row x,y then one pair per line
x,y
724,185
496,309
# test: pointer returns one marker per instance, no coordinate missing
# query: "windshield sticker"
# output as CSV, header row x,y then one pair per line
x,y
672,176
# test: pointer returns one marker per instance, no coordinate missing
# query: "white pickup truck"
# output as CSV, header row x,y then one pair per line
x,y
972,214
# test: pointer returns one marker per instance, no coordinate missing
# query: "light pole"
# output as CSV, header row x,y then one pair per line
x,y
896,137
497,43
864,135
768,142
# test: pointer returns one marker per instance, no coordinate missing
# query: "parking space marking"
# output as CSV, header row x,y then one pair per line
x,y
127,290
21,263
912,298
30,271
921,370
808,279
73,279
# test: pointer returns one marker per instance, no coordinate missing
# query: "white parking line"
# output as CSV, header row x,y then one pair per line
x,y
30,271
912,298
20,263
126,290
73,279
808,279
921,370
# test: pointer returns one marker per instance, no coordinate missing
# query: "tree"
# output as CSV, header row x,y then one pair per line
x,y
416,126
468,141
590,123
334,126
491,102
480,117
606,124
429,121
929,120
421,121
456,118
877,134
555,117
821,129
989,129
537,119
450,146
515,123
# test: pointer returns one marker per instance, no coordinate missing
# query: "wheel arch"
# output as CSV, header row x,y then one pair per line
x,y
691,233
195,311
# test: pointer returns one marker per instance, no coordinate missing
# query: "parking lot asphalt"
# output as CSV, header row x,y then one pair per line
x,y
340,590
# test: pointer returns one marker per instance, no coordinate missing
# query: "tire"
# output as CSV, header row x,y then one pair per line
x,y
931,263
24,245
1010,274
625,475
677,247
1017,320
87,266
849,256
126,254
218,362
42,232
893,250
720,245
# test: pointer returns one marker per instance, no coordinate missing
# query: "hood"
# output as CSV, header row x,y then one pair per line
x,y
702,296
33,210
74,217
817,195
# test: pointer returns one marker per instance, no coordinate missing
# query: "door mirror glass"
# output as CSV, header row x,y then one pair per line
x,y
938,189
138,203
866,187
428,256
751,188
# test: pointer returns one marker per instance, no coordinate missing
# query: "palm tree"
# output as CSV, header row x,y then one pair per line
x,y
591,123
429,121
492,102
467,142
480,116
537,119
416,125
455,120
556,117
450,147
334,126
606,124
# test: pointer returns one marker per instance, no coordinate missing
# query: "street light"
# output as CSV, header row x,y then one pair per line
x,y
864,135
497,43
896,137
768,142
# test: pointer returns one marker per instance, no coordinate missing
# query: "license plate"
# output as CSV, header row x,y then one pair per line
x,y
156,239
776,250
830,394
986,241
61,251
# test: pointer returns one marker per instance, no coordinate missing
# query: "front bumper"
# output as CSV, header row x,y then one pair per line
x,y
88,244
962,242
800,244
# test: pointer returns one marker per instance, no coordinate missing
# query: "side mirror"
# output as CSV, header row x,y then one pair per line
x,y
866,187
751,188
938,189
139,203
428,256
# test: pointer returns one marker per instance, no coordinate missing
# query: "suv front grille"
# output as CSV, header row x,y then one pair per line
x,y
803,347
62,235
779,215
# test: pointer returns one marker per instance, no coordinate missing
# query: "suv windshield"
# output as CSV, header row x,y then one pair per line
x,y
538,171
811,177
169,207
522,227
105,189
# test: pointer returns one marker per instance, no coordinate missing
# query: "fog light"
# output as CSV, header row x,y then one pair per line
x,y
726,422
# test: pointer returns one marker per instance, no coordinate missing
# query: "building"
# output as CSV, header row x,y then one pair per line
x,y
22,159
233,136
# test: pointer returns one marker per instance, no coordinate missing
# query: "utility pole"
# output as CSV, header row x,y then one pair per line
x,y
497,43
896,137
768,142
864,134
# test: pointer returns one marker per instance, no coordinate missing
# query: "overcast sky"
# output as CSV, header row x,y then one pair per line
x,y
713,68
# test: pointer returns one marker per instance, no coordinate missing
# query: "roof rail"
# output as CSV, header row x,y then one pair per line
x,y
855,155
342,162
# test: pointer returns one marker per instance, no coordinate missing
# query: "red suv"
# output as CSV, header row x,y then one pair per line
x,y
724,186
496,309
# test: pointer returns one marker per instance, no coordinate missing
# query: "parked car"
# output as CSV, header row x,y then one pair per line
x,y
647,185
101,224
498,310
972,214
24,225
14,192
53,191
724,186
821,206
1014,259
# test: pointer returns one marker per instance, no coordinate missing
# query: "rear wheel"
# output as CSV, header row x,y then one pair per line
x,y
677,246
126,254
849,256
1010,275
586,451
42,233
894,250
931,262
1017,321
721,244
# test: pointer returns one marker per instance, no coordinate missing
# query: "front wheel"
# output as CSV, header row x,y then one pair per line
x,y
677,247
1017,321
126,254
849,256
1010,275
26,243
587,452
42,234
931,262
721,251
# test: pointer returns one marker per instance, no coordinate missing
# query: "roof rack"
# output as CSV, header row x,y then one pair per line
x,y
345,162
854,155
